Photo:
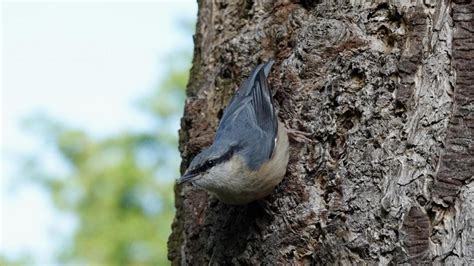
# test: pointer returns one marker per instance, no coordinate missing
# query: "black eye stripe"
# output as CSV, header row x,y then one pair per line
x,y
211,163
206,166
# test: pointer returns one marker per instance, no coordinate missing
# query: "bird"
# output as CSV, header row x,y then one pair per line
x,y
250,152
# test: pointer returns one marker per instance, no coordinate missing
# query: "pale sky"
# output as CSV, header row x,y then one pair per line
x,y
85,63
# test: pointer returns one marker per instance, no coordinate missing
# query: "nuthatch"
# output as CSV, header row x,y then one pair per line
x,y
249,155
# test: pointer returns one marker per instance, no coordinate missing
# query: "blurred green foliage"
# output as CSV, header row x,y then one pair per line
x,y
120,187
15,262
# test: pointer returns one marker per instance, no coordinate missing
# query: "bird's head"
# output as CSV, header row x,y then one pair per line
x,y
211,157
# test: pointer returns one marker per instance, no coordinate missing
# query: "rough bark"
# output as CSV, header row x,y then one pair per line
x,y
386,90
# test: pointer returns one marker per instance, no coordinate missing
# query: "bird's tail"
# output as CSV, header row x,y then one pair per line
x,y
267,67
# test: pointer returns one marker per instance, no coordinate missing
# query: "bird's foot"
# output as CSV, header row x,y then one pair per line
x,y
298,136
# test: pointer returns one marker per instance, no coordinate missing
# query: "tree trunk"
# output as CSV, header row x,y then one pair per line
x,y
386,91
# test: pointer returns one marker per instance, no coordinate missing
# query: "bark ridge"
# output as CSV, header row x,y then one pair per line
x,y
386,92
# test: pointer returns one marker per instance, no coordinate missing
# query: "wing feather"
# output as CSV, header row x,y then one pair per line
x,y
250,117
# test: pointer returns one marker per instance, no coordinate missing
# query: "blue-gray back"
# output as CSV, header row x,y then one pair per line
x,y
249,124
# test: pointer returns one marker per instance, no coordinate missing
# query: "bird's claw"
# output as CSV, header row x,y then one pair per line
x,y
299,136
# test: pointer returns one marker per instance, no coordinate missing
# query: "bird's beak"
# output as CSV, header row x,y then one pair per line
x,y
186,178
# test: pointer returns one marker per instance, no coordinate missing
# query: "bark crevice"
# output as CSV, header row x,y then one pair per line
x,y
385,90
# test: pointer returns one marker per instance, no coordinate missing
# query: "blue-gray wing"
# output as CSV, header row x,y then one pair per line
x,y
250,121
